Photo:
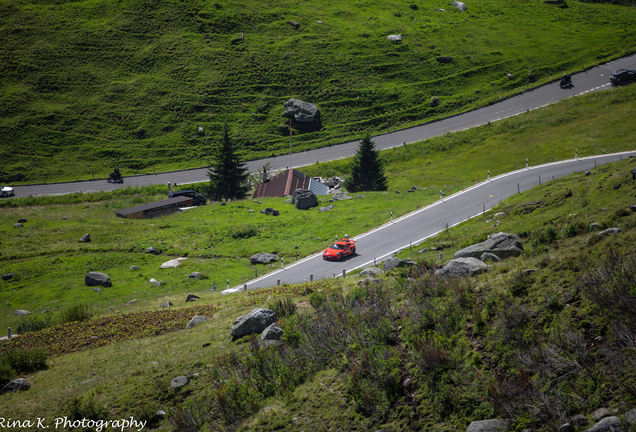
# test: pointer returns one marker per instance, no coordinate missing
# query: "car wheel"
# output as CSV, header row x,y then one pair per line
x,y
4,195
353,251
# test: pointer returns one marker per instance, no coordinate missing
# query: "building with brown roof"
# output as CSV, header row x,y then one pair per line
x,y
286,183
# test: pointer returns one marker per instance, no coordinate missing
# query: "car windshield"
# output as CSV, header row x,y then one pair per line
x,y
337,246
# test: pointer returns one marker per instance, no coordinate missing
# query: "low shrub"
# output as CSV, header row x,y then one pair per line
x,y
574,228
79,312
284,307
7,374
316,299
543,237
34,324
242,231
22,361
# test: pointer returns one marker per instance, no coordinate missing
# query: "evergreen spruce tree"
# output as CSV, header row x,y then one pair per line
x,y
228,175
367,170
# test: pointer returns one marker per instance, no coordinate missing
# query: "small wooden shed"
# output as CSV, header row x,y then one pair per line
x,y
155,209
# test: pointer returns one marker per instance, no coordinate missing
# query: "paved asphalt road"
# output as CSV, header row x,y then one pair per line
x,y
592,80
419,225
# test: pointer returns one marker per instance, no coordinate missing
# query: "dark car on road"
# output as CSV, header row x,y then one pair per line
x,y
622,76
197,198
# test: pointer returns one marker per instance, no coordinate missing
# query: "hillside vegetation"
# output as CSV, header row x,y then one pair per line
x,y
148,84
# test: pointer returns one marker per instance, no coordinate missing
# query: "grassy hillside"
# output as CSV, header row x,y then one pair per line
x,y
50,262
416,354
88,85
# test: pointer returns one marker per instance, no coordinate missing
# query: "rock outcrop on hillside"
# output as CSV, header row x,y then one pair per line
x,y
503,245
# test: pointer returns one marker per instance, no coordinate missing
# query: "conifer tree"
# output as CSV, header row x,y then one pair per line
x,y
367,170
228,175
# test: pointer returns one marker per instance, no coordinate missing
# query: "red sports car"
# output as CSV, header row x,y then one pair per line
x,y
340,249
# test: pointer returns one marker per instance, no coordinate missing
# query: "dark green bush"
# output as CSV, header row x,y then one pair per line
x,y
574,228
79,312
284,307
316,299
24,361
33,324
544,237
7,374
242,231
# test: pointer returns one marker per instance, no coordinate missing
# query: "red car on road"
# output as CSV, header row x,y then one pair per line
x,y
340,249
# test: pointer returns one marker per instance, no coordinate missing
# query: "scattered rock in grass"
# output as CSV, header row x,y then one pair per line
x,y
397,192
22,220
254,322
394,262
85,238
250,211
302,114
180,381
173,263
97,290
440,10
288,200
609,231
487,256
369,281
460,5
594,226
588,173
608,424
18,225
129,302
8,276
579,421
97,279
161,413
462,267
319,22
567,427
64,218
263,258
360,196
423,250
192,297
196,320
19,384
152,250
196,275
526,272
205,345
267,211
501,244
370,272
135,267
600,414
632,208
21,312
223,204
326,209
395,38
275,212
444,59
295,421
294,24
494,425
341,196
166,304
630,417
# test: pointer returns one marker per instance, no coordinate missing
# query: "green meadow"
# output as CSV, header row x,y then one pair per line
x,y
148,84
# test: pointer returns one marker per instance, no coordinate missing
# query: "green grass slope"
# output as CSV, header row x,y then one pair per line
x,y
419,353
88,85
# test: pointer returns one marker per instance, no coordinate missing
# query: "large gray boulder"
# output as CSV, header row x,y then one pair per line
x,y
302,112
254,322
501,244
196,320
304,199
600,414
19,384
608,424
460,5
633,173
263,258
272,332
394,262
370,272
97,279
495,425
462,267
630,417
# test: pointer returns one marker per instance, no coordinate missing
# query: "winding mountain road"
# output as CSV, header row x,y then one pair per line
x,y
413,228
378,244
591,80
